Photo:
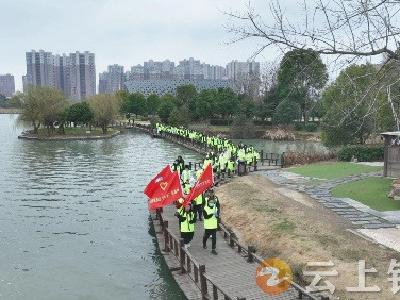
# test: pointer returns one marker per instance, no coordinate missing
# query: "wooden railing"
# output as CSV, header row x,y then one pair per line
x,y
197,272
252,257
189,266
272,159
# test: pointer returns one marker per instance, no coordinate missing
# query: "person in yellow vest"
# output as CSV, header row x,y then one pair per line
x,y
185,177
198,173
187,219
210,213
186,187
181,164
241,153
231,167
198,207
207,161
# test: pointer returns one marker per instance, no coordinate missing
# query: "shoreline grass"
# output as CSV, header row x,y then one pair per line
x,y
371,191
332,170
70,131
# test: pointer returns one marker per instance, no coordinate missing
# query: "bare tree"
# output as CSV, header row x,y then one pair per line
x,y
269,76
335,27
345,29
248,84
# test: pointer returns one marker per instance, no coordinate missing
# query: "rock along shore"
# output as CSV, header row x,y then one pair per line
x,y
30,136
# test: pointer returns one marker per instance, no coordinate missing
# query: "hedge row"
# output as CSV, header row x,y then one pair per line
x,y
228,122
361,153
292,158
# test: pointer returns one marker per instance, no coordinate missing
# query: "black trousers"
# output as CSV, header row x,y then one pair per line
x,y
187,237
213,234
198,209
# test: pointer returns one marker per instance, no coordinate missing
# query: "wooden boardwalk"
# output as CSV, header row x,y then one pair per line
x,y
229,274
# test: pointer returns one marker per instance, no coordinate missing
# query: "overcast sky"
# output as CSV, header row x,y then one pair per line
x,y
125,32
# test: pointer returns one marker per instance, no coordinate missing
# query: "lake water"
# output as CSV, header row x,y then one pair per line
x,y
74,222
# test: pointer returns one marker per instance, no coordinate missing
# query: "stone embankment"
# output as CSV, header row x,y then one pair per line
x,y
30,136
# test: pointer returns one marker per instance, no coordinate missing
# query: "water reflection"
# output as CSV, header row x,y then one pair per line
x,y
72,213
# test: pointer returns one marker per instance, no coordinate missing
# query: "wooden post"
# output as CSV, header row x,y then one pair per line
x,y
250,251
188,266
166,238
385,155
231,241
182,255
203,282
300,296
282,159
196,273
262,157
215,292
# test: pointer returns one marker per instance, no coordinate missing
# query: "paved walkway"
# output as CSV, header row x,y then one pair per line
x,y
228,270
358,213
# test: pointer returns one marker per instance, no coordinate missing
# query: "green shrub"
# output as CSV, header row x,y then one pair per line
x,y
263,123
220,122
154,120
242,127
311,127
298,126
361,153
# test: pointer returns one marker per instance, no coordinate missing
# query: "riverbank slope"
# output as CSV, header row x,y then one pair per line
x,y
10,111
287,224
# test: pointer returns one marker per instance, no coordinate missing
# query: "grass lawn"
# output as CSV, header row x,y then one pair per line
x,y
331,170
371,191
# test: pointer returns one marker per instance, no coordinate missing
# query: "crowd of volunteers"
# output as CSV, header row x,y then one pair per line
x,y
224,157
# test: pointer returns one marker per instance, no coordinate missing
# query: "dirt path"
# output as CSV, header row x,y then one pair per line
x,y
283,223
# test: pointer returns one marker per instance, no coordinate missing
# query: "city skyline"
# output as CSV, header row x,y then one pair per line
x,y
161,77
124,34
74,73
7,85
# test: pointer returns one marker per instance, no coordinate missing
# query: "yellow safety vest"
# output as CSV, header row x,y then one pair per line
x,y
185,175
186,189
186,226
199,200
211,223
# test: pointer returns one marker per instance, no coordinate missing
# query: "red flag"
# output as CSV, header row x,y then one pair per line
x,y
163,175
165,191
205,181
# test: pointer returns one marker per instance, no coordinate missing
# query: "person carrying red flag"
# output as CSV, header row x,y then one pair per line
x,y
164,189
165,173
211,215
187,220
205,181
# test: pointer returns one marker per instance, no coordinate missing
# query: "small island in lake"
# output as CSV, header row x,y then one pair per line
x,y
53,117
73,133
